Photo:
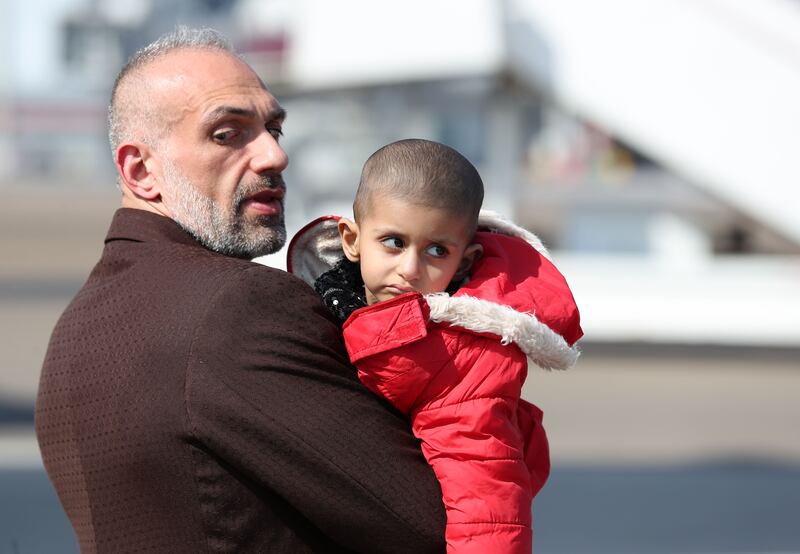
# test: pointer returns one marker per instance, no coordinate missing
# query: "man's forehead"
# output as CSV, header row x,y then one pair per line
x,y
204,68
201,81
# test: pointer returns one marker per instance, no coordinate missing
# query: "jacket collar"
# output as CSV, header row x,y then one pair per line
x,y
143,226
541,344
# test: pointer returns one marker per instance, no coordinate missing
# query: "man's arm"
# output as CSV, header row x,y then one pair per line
x,y
270,391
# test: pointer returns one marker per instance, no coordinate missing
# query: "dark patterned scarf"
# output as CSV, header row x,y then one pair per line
x,y
342,289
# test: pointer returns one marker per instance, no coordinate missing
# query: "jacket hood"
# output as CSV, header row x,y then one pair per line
x,y
514,291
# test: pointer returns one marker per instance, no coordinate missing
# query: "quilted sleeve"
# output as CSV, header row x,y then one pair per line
x,y
486,447
472,438
537,447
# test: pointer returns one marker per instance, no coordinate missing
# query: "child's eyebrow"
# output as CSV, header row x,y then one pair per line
x,y
382,231
445,241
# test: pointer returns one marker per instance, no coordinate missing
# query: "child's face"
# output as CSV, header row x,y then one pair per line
x,y
403,247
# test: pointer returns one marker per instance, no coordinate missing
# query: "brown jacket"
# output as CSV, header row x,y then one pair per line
x,y
193,402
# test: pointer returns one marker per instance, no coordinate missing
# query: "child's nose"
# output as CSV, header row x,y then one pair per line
x,y
409,266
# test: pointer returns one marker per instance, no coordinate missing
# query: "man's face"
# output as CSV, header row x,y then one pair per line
x,y
220,165
403,247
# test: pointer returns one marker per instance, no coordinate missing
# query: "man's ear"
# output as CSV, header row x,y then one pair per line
x,y
133,160
348,230
472,254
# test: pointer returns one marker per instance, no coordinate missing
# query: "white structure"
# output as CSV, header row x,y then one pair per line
x,y
705,90
708,89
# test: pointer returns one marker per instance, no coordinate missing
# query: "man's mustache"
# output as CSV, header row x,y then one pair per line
x,y
264,182
267,182
272,181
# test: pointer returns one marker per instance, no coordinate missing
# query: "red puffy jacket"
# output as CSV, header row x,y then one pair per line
x,y
456,365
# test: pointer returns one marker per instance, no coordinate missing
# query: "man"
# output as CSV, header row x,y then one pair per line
x,y
194,401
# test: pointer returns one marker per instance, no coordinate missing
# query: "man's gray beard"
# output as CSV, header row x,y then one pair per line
x,y
224,229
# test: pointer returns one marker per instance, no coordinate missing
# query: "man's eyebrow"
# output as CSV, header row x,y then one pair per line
x,y
276,114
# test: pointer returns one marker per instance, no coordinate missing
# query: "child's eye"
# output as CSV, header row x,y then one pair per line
x,y
392,242
437,251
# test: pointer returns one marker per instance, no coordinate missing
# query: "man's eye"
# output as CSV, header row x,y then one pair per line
x,y
392,242
437,251
226,135
276,132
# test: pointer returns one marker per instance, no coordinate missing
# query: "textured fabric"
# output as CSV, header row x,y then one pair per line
x,y
192,402
341,289
459,378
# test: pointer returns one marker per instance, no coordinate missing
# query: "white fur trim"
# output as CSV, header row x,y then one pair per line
x,y
543,346
496,223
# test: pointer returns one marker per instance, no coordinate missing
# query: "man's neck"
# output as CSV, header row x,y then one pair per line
x,y
131,201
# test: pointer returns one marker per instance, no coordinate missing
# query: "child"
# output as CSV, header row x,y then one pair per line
x,y
453,361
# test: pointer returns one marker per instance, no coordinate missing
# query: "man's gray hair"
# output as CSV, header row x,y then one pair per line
x,y
126,117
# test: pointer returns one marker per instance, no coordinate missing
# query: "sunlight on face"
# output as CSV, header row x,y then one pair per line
x,y
404,247
221,161
225,229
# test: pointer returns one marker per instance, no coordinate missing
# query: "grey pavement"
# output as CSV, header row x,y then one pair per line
x,y
706,508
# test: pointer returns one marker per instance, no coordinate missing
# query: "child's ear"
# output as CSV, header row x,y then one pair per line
x,y
348,230
472,254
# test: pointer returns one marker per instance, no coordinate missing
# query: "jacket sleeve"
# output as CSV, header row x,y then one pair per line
x,y
270,392
537,447
476,434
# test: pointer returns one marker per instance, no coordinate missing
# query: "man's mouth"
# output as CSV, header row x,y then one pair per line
x,y
265,202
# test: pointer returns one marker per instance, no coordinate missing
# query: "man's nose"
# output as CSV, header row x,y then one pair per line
x,y
267,155
409,266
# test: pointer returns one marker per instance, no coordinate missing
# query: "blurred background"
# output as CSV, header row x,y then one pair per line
x,y
652,145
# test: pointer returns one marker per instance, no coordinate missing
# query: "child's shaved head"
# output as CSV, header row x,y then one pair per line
x,y
421,172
